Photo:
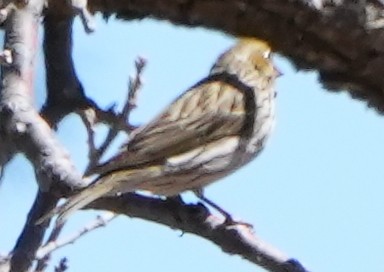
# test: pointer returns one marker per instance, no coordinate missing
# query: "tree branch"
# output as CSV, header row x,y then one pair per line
x,y
117,121
32,235
65,94
21,125
196,219
343,40
54,243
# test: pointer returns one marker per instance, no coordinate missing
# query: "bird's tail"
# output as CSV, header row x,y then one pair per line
x,y
124,181
76,202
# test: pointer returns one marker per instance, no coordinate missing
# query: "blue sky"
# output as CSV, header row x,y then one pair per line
x,y
315,192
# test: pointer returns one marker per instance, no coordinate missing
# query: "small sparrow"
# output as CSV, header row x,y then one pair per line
x,y
210,131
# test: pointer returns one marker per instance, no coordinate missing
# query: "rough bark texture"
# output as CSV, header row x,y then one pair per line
x,y
22,128
196,219
343,40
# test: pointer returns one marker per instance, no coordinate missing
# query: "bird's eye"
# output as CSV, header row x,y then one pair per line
x,y
267,54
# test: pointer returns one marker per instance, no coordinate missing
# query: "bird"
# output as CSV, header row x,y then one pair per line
x,y
208,132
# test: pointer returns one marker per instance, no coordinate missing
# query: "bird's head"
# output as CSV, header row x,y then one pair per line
x,y
248,56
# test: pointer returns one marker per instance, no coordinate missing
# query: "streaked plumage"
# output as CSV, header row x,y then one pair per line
x,y
211,130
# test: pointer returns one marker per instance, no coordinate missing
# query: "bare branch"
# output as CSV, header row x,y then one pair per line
x,y
21,125
88,117
27,132
343,39
196,219
93,115
7,150
65,93
43,261
117,121
134,87
32,235
54,244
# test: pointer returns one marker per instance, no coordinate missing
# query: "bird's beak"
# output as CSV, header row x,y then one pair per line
x,y
278,73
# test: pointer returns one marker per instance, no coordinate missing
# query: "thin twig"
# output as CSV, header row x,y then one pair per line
x,y
134,86
88,118
197,219
93,115
117,121
54,244
43,261
62,266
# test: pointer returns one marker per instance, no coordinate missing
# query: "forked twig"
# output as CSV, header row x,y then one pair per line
x,y
117,121
90,117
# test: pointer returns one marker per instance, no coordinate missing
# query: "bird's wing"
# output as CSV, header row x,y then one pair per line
x,y
207,112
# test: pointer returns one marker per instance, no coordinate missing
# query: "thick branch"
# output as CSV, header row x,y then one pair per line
x,y
65,93
32,235
20,123
196,219
7,150
343,40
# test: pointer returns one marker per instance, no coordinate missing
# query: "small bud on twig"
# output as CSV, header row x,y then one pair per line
x,y
6,57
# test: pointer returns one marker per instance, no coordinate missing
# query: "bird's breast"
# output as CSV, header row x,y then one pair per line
x,y
262,125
